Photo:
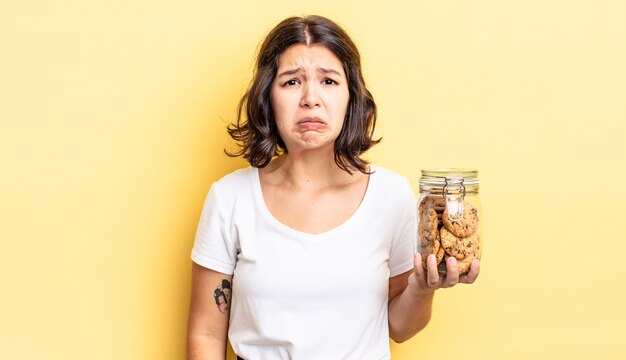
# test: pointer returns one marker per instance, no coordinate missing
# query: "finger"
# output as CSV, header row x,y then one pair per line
x,y
418,268
452,272
433,275
471,276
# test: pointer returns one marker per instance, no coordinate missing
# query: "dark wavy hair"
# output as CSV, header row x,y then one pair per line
x,y
255,129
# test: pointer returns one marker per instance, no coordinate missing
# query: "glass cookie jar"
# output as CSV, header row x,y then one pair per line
x,y
449,217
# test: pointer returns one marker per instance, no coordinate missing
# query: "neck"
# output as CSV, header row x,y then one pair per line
x,y
309,169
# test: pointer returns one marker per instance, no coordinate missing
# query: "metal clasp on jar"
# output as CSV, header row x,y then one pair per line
x,y
454,195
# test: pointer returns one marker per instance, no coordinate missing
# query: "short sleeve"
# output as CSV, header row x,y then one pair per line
x,y
402,245
214,247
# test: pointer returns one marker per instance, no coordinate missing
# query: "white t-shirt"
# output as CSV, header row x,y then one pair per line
x,y
302,296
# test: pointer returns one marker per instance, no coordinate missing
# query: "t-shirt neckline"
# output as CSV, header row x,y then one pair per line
x,y
265,212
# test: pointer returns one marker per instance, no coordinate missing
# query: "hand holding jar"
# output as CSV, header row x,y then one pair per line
x,y
448,241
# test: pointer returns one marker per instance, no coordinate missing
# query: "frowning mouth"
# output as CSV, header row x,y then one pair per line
x,y
311,123
311,120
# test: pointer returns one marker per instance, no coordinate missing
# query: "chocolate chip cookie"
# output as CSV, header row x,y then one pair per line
x,y
456,246
465,226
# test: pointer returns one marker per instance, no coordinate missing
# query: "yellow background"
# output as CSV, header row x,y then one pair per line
x,y
112,125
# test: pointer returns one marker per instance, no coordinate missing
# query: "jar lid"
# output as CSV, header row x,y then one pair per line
x,y
439,176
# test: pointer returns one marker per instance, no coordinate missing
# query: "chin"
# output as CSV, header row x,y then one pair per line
x,y
313,145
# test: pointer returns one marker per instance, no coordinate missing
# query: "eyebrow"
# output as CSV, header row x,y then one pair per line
x,y
290,72
298,69
329,71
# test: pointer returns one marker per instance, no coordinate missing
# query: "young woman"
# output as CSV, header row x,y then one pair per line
x,y
310,249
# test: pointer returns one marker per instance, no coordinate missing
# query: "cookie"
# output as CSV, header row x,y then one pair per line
x,y
433,247
440,254
458,247
463,227
465,264
432,202
430,210
428,230
427,249
435,202
477,251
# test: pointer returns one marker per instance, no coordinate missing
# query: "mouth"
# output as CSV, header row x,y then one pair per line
x,y
311,123
311,120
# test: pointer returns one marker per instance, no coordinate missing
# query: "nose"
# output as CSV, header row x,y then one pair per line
x,y
310,97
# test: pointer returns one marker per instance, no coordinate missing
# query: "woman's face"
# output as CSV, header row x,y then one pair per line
x,y
309,97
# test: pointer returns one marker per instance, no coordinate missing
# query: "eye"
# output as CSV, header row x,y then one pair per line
x,y
329,82
291,82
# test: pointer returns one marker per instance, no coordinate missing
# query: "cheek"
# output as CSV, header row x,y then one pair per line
x,y
344,97
279,120
279,108
284,107
342,105
280,100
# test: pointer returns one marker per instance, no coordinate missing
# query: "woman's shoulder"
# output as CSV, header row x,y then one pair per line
x,y
391,191
389,176
391,184
237,177
235,183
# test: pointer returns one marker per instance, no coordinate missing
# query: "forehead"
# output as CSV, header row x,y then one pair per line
x,y
314,56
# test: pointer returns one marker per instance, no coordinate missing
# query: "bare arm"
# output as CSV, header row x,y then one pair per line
x,y
411,294
207,332
407,314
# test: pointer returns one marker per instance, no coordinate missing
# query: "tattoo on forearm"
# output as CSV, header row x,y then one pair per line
x,y
222,296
